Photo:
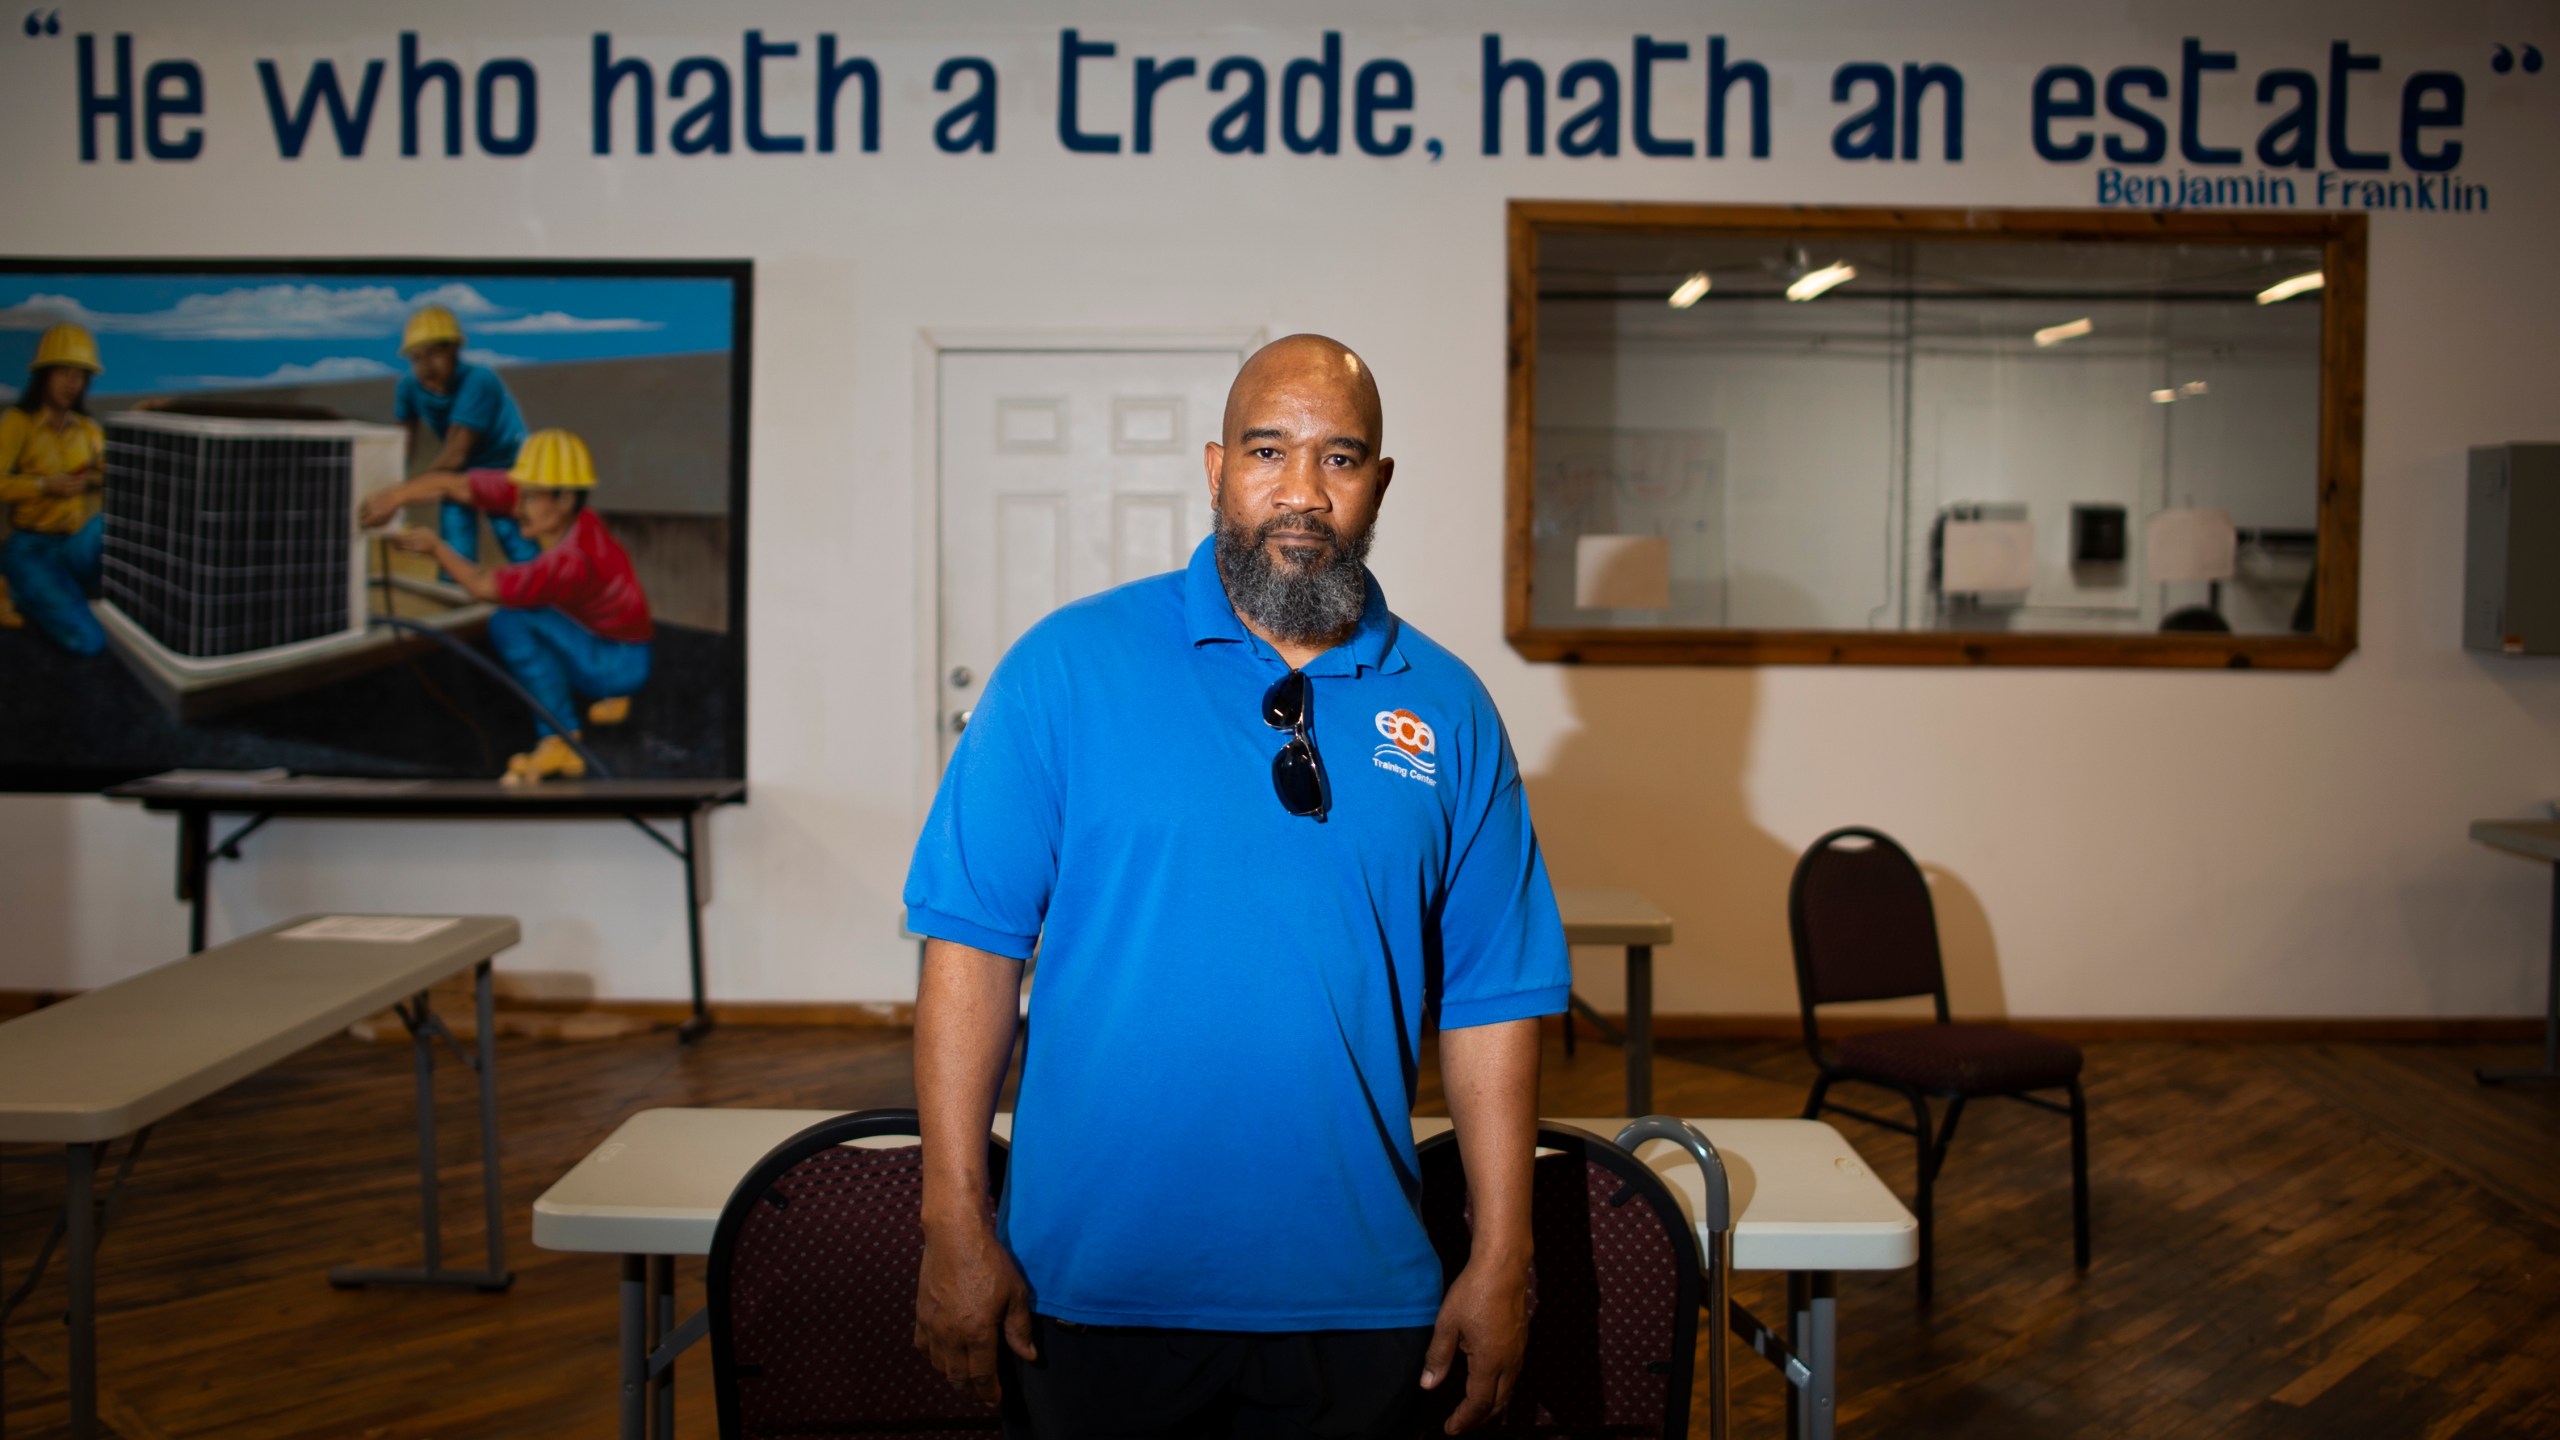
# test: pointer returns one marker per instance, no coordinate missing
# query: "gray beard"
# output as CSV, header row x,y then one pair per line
x,y
1299,605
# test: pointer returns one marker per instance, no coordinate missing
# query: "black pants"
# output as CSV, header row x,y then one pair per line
x,y
1125,1382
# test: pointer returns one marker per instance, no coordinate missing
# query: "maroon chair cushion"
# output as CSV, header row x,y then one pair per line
x,y
1967,1059
823,1294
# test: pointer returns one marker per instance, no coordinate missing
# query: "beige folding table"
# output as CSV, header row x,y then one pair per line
x,y
117,1060
1803,1202
1620,917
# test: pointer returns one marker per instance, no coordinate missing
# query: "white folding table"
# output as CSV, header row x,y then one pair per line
x,y
1803,1202
119,1059
1619,917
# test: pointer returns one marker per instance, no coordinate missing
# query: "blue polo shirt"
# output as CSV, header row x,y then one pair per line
x,y
479,400
1212,1128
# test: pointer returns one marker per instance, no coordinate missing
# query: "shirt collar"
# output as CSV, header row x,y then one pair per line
x,y
1211,616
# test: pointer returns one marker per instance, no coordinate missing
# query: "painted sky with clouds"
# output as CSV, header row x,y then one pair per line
x,y
171,333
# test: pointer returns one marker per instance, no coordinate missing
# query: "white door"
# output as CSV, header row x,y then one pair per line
x,y
1062,473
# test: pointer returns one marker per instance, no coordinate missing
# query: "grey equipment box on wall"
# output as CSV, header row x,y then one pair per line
x,y
2511,560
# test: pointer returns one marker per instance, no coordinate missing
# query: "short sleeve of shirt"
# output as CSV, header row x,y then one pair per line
x,y
493,491
404,400
987,861
477,400
1502,949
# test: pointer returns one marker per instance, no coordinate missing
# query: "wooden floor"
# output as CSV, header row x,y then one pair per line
x,y
2292,1240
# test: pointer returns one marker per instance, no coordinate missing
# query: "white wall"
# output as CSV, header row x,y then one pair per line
x,y
2116,843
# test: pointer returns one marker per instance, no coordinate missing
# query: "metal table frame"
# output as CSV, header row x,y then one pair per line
x,y
2534,840
2550,1071
1618,917
1636,1036
687,802
86,1215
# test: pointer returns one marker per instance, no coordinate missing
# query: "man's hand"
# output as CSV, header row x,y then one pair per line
x,y
378,508
969,1294
60,486
1486,1314
418,540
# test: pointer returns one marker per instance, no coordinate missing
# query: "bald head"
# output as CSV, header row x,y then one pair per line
x,y
1306,367
1296,478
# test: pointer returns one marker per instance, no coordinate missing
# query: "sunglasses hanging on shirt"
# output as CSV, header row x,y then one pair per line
x,y
1296,773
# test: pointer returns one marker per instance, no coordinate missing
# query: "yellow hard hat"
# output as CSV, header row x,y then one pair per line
x,y
554,460
68,344
431,325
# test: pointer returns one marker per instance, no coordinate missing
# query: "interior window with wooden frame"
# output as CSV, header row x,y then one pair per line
x,y
1746,435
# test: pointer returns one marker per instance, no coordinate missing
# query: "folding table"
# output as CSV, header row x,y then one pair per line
x,y
1803,1202
2536,840
1620,917
197,799
117,1060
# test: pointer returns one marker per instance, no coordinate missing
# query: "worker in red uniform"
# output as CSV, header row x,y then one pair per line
x,y
572,621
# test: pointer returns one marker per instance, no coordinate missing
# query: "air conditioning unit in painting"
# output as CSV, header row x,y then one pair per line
x,y
231,545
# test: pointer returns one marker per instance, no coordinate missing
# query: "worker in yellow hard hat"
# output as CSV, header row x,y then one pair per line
x,y
572,621
52,463
471,417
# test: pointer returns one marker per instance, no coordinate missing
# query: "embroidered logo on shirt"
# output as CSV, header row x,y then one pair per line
x,y
1409,749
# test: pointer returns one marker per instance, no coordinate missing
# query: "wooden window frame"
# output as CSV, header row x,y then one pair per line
x,y
2341,238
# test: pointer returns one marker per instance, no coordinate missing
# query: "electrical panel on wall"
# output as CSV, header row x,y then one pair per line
x,y
2511,561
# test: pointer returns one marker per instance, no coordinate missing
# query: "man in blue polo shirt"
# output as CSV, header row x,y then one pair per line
x,y
473,418
1257,828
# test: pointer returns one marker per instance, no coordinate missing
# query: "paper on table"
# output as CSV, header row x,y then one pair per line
x,y
378,929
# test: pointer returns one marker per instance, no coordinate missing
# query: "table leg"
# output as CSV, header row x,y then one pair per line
x,y
664,1382
425,1027
635,1347
1813,1326
80,1217
697,836
493,1200
422,1045
2550,1070
195,842
1639,1030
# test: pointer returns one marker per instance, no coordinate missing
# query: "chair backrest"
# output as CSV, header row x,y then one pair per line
x,y
1858,911
1613,1290
812,1291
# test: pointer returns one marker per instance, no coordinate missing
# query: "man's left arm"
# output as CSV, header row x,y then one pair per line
x,y
1504,965
1490,1073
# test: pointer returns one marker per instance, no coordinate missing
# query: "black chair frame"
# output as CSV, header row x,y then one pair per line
x,y
1439,1155
825,1135
1932,1140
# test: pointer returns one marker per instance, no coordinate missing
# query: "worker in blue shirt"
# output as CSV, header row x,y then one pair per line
x,y
474,422
1258,828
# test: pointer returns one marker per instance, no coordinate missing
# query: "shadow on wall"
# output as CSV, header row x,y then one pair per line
x,y
1647,794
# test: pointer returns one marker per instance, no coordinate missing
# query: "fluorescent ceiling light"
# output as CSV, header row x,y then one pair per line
x,y
1815,282
2067,330
2192,387
1689,291
2163,397
2287,289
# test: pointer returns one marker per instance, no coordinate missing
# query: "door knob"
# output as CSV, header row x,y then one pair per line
x,y
959,721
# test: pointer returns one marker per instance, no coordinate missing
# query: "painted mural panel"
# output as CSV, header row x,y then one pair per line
x,y
387,519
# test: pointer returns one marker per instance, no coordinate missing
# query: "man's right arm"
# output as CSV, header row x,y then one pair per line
x,y
969,1292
